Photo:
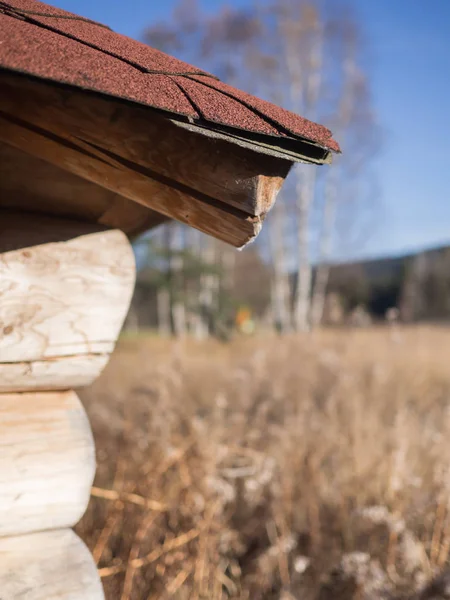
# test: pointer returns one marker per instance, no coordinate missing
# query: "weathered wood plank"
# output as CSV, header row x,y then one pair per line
x,y
227,172
48,189
223,222
47,461
229,225
50,565
65,289
24,126
130,217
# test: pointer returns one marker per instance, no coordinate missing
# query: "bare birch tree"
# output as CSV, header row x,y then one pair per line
x,y
163,294
304,55
342,121
354,124
280,289
301,29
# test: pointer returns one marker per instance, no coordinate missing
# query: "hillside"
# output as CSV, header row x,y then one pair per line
x,y
417,284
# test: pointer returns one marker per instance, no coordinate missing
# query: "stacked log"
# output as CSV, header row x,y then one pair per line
x,y
65,288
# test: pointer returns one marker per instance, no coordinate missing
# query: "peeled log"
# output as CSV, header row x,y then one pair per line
x,y
47,189
47,463
50,565
65,290
52,374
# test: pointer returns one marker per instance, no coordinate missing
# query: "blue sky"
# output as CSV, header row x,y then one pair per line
x,y
410,50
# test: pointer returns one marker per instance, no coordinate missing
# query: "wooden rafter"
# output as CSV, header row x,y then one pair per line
x,y
212,185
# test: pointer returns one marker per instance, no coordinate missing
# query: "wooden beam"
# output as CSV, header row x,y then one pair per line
x,y
49,189
130,217
47,462
66,289
212,185
50,565
223,222
219,169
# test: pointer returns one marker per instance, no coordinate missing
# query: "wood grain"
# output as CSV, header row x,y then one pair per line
x,y
50,565
52,374
73,137
49,189
231,226
65,289
222,170
47,461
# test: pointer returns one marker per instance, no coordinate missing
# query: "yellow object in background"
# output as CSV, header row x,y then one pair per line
x,y
244,321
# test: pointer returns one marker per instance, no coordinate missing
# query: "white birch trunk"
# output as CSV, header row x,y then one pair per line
x,y
163,311
195,320
176,269
344,116
280,287
208,285
305,196
306,78
179,318
323,267
163,293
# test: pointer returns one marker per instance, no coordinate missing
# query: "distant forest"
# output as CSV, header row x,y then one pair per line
x,y
410,288
418,285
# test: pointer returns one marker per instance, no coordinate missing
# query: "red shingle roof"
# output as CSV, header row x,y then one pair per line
x,y
50,43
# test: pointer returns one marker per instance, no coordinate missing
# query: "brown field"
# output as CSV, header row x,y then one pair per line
x,y
310,467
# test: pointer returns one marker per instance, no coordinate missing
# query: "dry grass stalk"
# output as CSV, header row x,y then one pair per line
x,y
438,530
97,492
138,563
235,471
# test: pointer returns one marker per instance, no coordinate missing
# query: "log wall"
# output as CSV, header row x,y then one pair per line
x,y
50,565
65,288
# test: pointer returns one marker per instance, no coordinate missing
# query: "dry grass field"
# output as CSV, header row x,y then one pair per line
x,y
309,467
